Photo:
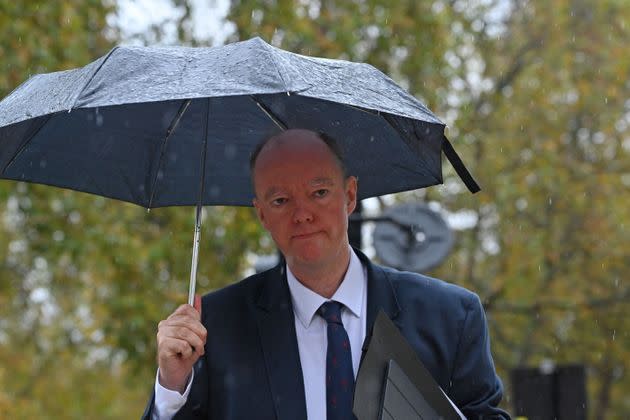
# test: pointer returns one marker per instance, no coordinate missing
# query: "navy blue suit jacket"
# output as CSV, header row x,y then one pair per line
x,y
251,369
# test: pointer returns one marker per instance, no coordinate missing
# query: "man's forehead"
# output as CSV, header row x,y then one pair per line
x,y
293,140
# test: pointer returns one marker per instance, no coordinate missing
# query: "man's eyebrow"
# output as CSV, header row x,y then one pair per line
x,y
315,182
270,192
322,181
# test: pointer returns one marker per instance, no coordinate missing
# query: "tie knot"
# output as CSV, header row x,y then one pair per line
x,y
331,312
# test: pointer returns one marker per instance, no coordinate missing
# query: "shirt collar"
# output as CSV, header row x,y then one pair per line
x,y
350,292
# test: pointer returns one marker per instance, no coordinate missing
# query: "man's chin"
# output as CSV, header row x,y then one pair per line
x,y
307,257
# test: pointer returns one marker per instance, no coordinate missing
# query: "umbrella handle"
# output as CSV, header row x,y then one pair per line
x,y
195,257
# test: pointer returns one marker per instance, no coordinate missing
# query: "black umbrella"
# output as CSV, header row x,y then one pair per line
x,y
170,126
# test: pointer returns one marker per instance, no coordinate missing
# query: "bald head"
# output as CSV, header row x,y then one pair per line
x,y
298,140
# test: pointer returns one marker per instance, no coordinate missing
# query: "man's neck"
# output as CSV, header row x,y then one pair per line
x,y
323,279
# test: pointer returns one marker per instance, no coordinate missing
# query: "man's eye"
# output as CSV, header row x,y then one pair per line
x,y
321,193
278,201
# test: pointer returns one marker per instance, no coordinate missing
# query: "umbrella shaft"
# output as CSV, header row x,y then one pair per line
x,y
195,254
195,257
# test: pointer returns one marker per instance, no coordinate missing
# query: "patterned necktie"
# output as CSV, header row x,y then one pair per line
x,y
339,373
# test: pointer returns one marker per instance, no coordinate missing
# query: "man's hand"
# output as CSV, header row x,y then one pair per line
x,y
180,341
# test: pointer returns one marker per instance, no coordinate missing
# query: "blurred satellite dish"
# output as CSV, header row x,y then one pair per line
x,y
412,237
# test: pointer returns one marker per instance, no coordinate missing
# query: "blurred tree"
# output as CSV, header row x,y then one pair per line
x,y
550,140
83,279
536,98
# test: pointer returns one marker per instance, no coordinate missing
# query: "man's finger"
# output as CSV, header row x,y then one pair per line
x,y
185,323
185,310
177,347
185,334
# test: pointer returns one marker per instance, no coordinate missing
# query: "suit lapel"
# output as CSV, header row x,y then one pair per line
x,y
381,295
276,326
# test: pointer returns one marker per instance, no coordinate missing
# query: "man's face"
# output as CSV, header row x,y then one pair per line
x,y
303,200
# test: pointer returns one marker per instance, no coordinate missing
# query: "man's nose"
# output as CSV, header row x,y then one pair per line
x,y
302,214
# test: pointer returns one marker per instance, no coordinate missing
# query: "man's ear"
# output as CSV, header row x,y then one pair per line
x,y
351,193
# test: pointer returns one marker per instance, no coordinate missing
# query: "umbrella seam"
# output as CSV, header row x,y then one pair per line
x,y
76,99
125,178
169,132
386,117
281,124
366,110
26,142
272,56
203,154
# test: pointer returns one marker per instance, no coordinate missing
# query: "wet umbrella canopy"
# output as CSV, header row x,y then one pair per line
x,y
168,126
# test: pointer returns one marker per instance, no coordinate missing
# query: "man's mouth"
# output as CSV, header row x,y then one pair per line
x,y
305,235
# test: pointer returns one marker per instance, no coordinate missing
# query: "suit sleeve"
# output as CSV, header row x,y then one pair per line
x,y
196,406
475,386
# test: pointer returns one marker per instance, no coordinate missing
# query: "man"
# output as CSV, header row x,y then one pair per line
x,y
266,347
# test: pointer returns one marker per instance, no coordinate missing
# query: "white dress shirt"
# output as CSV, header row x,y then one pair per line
x,y
311,330
312,339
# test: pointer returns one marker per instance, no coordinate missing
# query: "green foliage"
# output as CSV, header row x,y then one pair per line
x,y
536,102
84,280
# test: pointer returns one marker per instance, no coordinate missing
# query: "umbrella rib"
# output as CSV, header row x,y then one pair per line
x,y
367,111
74,103
268,112
387,118
203,154
127,181
169,132
26,142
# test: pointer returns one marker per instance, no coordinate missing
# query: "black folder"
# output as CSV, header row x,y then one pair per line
x,y
393,384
